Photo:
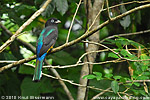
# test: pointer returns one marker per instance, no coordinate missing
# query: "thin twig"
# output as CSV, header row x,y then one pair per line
x,y
73,83
104,50
6,61
79,64
84,36
7,43
79,60
78,5
104,47
132,82
101,93
32,48
14,63
108,12
17,63
61,82
66,89
13,37
27,45
95,19
61,67
91,87
115,52
126,3
126,34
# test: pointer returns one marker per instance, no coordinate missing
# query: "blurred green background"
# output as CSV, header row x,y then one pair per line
x,y
17,81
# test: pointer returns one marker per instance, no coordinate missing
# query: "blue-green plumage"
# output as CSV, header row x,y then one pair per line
x,y
45,42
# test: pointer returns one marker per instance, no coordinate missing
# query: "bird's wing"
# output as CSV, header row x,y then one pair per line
x,y
49,36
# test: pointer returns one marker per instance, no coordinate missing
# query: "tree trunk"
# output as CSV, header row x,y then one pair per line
x,y
92,11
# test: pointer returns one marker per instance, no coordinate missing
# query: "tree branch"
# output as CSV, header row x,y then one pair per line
x,y
120,57
108,89
91,87
93,20
73,83
126,3
32,48
108,12
27,45
78,5
54,71
13,37
80,38
67,66
17,63
126,34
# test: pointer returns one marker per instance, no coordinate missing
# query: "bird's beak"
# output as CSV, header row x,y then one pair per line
x,y
58,21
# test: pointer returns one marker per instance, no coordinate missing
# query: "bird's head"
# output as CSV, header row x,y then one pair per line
x,y
52,21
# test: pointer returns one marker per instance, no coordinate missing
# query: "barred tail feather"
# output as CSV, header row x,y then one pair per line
x,y
38,70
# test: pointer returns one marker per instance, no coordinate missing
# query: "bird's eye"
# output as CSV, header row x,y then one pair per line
x,y
52,21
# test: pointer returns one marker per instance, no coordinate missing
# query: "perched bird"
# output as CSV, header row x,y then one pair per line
x,y
45,43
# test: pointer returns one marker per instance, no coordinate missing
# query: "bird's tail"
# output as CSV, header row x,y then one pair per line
x,y
38,70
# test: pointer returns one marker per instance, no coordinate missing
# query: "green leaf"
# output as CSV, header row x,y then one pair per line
x,y
62,6
133,57
98,75
123,80
134,76
142,78
135,92
112,55
145,63
136,84
127,79
89,76
135,44
110,41
118,44
132,64
124,53
144,67
122,41
143,93
108,75
115,86
129,84
116,77
138,71
146,73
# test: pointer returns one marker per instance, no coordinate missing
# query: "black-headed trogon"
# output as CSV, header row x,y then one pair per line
x,y
45,43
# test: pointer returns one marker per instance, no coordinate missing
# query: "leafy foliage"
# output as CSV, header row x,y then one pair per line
x,y
96,75
115,86
133,49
